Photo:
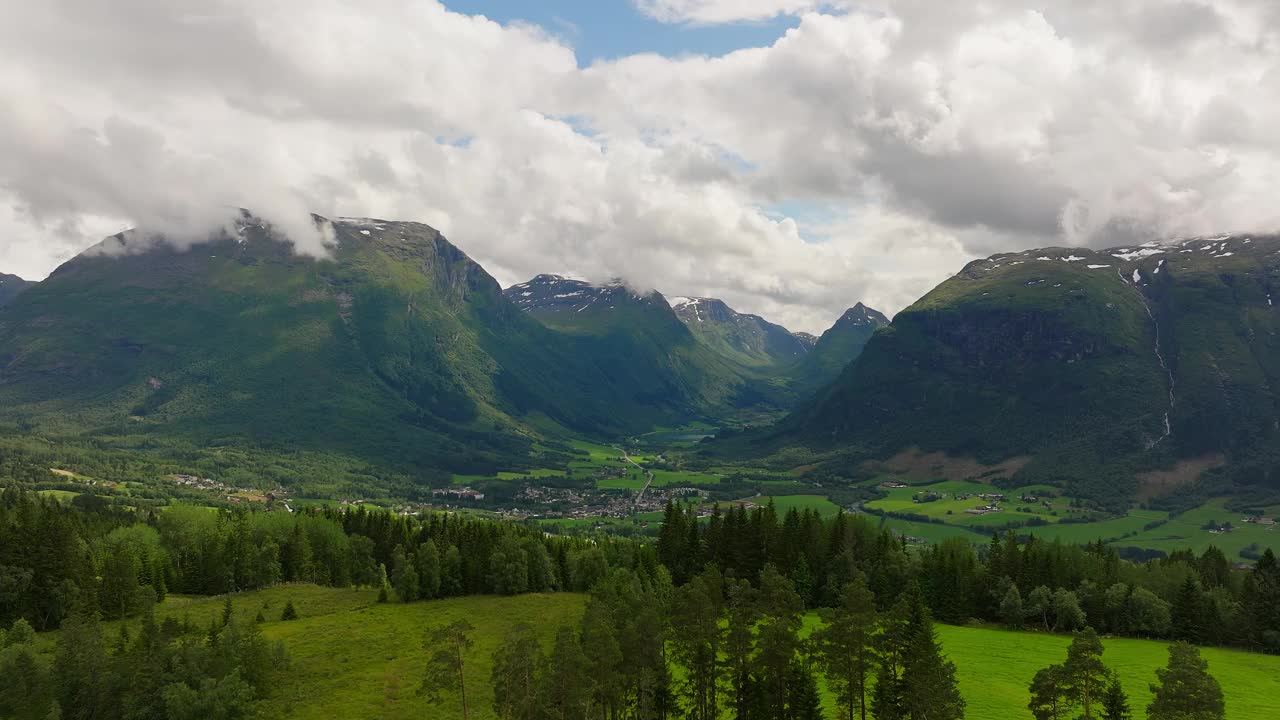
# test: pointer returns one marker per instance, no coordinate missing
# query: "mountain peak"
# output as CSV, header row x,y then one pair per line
x,y
548,293
11,286
860,314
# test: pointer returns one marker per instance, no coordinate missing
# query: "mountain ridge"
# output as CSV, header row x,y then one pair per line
x,y
11,286
1098,363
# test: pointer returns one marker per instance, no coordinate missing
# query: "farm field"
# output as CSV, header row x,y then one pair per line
x,y
960,496
352,657
1188,531
783,503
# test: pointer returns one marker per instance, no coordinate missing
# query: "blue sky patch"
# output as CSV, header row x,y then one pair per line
x,y
610,29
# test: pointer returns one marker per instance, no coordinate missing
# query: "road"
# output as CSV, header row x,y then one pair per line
x,y
647,473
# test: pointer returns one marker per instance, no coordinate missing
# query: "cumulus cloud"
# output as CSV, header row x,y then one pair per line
x,y
864,155
711,12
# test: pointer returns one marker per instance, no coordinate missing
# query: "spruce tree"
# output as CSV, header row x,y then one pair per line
x,y
1185,690
289,612
1115,703
803,700
916,681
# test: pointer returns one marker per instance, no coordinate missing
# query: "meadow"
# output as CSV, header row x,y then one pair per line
x,y
352,657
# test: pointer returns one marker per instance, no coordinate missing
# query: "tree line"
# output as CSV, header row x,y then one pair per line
x,y
739,648
1018,581
55,555
170,670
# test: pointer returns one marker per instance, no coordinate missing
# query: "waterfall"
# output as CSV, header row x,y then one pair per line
x,y
1172,382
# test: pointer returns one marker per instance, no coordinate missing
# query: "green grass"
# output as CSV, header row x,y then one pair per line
x,y
783,503
1187,531
351,657
1111,529
930,532
954,511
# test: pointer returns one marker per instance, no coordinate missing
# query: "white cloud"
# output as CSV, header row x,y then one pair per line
x,y
930,133
729,11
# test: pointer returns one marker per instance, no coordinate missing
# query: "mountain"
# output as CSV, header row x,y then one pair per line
x,y
840,345
806,339
10,286
639,340
398,350
1094,365
748,340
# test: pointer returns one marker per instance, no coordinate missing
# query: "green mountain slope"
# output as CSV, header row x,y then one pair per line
x,y
398,350
1097,364
840,345
10,286
748,340
638,340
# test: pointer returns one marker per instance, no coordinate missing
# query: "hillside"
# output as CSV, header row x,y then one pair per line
x,y
10,286
1098,364
641,342
353,657
840,345
399,350
748,340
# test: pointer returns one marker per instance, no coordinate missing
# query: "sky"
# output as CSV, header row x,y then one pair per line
x,y
791,157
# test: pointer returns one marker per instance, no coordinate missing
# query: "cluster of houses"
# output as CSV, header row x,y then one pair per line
x,y
233,495
462,493
1259,520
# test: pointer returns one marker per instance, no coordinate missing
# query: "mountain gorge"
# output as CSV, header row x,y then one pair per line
x,y
1096,365
736,365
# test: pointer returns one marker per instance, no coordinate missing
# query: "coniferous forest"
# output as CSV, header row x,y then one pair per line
x,y
708,620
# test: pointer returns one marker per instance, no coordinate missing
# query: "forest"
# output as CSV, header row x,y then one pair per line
x,y
708,619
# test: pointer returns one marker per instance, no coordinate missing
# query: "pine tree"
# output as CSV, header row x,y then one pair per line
x,y
696,609
1084,674
565,688
846,646
1185,689
447,648
1048,696
289,612
516,665
777,637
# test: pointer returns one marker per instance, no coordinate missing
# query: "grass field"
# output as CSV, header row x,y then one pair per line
x,y
952,509
351,657
783,503
1188,531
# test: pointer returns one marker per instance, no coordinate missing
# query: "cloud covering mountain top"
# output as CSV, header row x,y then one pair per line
x,y
866,154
